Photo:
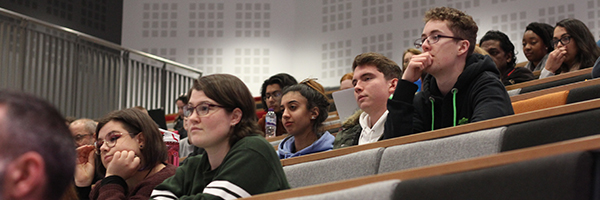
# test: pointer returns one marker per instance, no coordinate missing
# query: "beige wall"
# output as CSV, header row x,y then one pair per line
x,y
254,39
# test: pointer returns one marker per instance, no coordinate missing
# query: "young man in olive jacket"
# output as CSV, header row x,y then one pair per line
x,y
461,87
374,80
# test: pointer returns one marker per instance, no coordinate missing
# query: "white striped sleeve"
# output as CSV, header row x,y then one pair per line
x,y
225,190
162,195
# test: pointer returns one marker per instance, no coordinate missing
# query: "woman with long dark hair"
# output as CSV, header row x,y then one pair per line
x,y
574,48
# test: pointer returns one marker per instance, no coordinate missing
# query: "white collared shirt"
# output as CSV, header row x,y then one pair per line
x,y
371,134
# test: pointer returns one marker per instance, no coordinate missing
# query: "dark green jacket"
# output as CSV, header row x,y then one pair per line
x,y
347,137
250,167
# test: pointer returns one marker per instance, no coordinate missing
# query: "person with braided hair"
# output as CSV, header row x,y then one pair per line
x,y
304,108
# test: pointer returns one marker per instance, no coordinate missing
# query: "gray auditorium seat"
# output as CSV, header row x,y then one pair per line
x,y
353,165
275,143
381,190
553,129
441,150
583,94
555,83
567,176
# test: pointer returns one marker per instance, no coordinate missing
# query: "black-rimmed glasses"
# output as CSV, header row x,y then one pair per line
x,y
432,39
564,40
202,109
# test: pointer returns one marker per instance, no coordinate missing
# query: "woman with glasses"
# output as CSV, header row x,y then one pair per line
x,y
271,96
238,162
304,110
129,152
574,48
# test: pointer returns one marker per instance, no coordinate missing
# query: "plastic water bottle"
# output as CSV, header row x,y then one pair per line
x,y
270,123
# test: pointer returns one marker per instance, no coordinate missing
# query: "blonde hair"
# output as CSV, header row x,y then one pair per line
x,y
480,50
347,76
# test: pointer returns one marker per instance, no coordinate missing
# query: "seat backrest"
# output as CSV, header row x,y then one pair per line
x,y
348,166
441,150
566,176
381,190
584,93
555,83
540,102
553,129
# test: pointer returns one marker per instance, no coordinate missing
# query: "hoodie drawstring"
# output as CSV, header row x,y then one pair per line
x,y
454,91
432,111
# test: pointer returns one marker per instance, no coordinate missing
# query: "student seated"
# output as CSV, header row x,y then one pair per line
x,y
375,78
502,51
270,91
461,87
574,48
131,152
537,43
346,81
304,109
237,161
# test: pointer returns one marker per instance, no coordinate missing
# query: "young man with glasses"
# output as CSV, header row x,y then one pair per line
x,y
461,87
270,93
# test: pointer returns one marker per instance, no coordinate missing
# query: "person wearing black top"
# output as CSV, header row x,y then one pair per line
x,y
502,51
460,88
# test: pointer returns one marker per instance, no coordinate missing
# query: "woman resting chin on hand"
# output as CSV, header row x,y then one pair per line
x,y
131,152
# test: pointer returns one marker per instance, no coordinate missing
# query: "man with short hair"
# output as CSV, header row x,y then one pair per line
x,y
502,52
461,87
83,131
37,158
375,78
179,127
270,91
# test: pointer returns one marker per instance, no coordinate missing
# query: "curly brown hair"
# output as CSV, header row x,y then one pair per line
x,y
461,24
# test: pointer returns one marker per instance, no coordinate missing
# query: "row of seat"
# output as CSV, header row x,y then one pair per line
x,y
549,82
475,144
566,170
579,123
575,92
463,146
557,96
520,135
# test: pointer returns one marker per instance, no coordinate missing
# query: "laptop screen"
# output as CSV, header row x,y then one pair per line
x,y
345,103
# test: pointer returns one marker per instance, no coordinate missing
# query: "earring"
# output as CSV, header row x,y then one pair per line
x,y
313,117
141,146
